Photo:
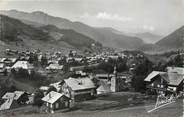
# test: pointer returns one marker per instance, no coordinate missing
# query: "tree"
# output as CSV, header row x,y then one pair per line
x,y
37,100
140,73
51,88
144,68
44,61
138,83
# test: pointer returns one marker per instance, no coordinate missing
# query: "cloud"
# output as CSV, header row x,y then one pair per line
x,y
106,16
148,27
115,17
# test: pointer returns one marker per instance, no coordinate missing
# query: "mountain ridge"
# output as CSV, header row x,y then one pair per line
x,y
15,33
125,42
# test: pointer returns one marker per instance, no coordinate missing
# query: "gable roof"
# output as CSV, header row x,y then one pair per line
x,y
153,74
175,78
52,97
23,64
80,83
179,70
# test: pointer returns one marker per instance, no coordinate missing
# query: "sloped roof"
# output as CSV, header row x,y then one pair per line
x,y
18,94
79,83
8,95
175,78
54,66
153,74
52,97
6,105
15,95
23,64
179,70
104,87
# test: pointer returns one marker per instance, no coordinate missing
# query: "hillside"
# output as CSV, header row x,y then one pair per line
x,y
17,35
119,40
174,40
14,30
107,37
70,36
148,37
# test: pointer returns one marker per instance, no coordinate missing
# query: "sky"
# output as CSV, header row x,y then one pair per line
x,y
131,16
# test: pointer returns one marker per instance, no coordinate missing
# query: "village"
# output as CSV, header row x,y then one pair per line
x,y
56,83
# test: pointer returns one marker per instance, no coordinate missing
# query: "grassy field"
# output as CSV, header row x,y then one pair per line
x,y
112,105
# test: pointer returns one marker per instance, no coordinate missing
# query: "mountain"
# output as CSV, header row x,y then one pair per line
x,y
13,30
110,38
114,38
175,40
70,36
16,34
148,37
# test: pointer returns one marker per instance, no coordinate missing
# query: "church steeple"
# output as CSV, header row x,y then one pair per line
x,y
115,71
114,80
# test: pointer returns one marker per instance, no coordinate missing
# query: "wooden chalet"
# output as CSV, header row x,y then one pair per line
x,y
54,101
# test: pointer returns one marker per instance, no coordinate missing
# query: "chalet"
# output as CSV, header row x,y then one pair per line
x,y
55,101
164,82
14,100
79,88
175,82
54,67
24,65
157,81
179,70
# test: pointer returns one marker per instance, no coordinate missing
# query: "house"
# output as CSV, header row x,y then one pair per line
x,y
157,81
162,82
54,67
55,101
79,88
179,70
175,82
14,100
24,65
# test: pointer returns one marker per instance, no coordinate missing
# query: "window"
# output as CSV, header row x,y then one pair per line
x,y
57,105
